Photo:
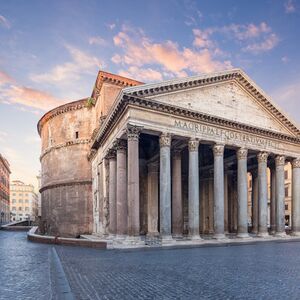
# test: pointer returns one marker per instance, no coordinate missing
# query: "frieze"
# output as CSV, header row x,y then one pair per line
x,y
224,134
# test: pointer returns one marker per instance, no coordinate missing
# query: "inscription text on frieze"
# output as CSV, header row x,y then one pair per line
x,y
225,134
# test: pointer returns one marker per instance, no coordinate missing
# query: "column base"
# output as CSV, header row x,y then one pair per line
x,y
219,236
134,240
167,239
177,236
152,234
262,234
195,237
280,234
295,233
120,237
243,235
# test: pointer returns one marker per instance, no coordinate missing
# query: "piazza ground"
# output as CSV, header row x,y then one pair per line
x,y
263,271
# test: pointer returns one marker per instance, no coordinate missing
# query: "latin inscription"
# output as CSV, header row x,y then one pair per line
x,y
225,134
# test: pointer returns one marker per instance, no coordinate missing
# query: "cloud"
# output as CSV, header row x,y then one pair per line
x,y
3,136
81,63
147,74
269,43
202,38
97,40
138,50
111,26
13,93
4,22
289,7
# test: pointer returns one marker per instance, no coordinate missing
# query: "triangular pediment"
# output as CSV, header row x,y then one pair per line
x,y
228,95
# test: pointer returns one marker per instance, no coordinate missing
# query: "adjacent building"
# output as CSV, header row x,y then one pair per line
x,y
24,201
4,190
172,159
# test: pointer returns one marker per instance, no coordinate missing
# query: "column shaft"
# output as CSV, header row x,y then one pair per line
x,y
226,224
193,189
273,200
262,194
165,186
112,193
280,196
177,205
122,207
133,181
242,193
153,198
219,191
296,196
254,196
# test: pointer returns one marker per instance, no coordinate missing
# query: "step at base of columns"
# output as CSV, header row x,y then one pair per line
x,y
153,241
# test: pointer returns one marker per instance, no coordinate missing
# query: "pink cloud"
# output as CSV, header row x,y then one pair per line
x,y
269,43
97,40
5,78
139,50
4,22
146,75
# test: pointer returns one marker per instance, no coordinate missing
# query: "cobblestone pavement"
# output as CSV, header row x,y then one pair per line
x,y
262,271
24,268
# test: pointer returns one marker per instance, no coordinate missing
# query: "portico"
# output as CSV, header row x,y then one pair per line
x,y
178,169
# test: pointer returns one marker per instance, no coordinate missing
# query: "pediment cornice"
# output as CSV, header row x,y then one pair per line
x,y
237,75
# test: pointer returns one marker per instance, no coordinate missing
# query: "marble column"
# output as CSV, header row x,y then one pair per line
x,y
254,196
177,205
296,197
242,184
122,207
165,186
273,200
194,189
112,189
280,196
262,158
153,199
210,204
133,196
219,191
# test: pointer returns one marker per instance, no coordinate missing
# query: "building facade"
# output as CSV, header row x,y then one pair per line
x,y
24,201
4,190
173,159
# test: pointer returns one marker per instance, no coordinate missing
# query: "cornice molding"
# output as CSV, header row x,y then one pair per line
x,y
65,183
79,104
62,145
151,104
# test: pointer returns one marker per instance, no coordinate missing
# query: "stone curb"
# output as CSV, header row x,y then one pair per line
x,y
34,237
59,281
15,228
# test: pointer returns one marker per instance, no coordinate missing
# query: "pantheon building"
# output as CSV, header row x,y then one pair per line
x,y
171,161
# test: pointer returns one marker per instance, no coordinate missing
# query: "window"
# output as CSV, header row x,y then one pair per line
x,y
14,194
20,195
26,201
286,174
20,201
76,134
286,207
26,208
20,208
13,201
13,208
286,192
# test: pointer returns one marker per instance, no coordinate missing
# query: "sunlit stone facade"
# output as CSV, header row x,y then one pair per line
x,y
171,160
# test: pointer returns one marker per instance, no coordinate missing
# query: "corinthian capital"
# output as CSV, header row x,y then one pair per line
x,y
120,144
165,139
262,157
193,145
242,153
279,160
133,132
218,150
111,154
296,163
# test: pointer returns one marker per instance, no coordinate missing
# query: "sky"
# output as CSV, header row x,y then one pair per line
x,y
51,51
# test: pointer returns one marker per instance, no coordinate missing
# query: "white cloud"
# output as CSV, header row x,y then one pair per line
x,y
80,63
4,22
97,40
289,7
